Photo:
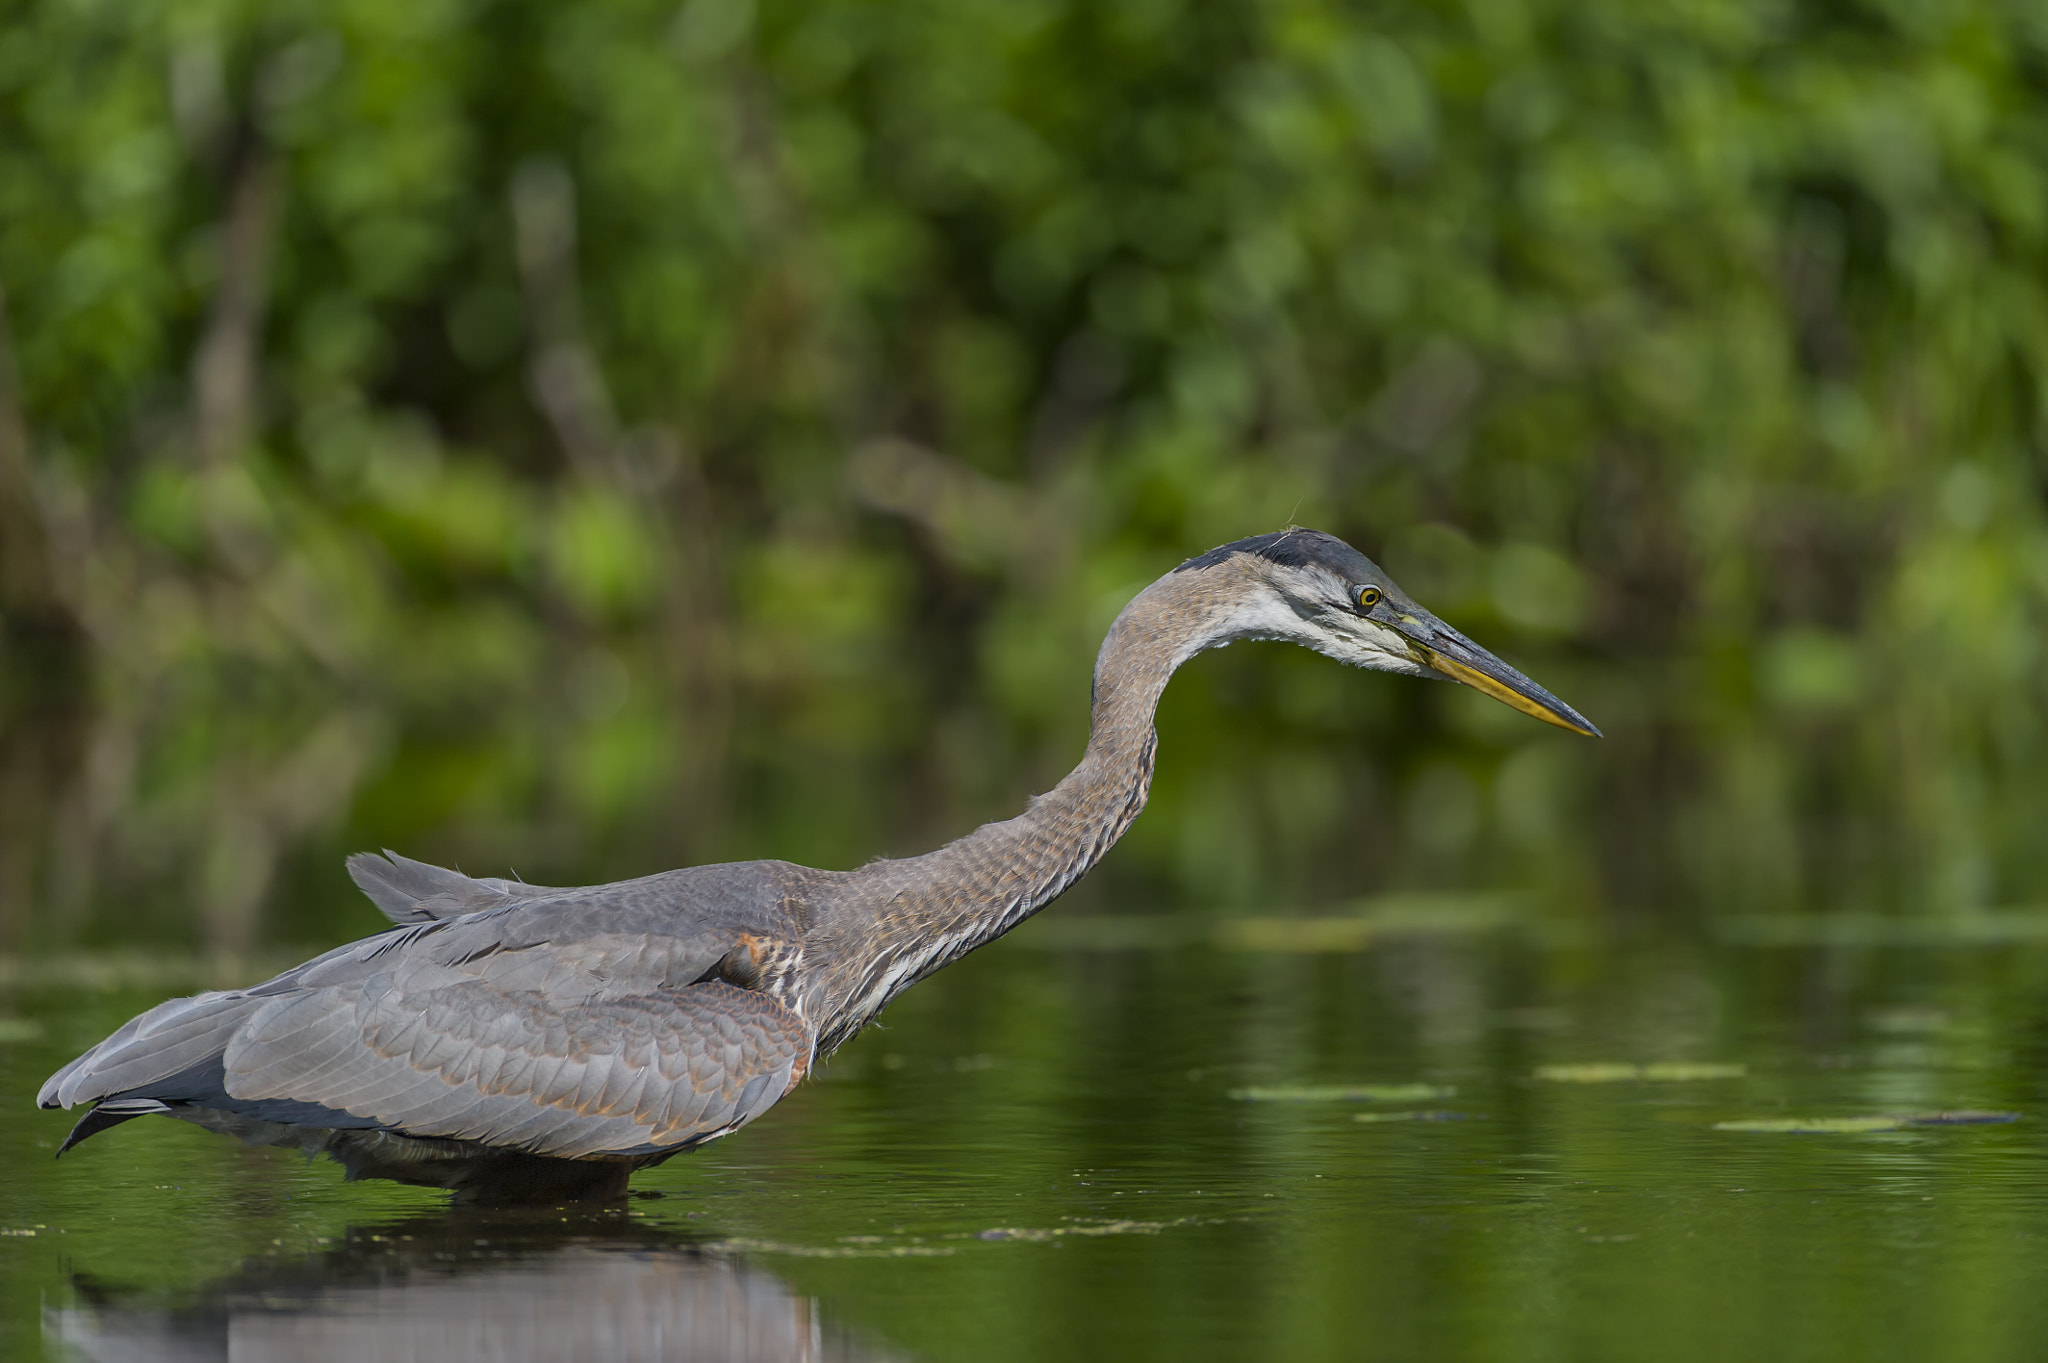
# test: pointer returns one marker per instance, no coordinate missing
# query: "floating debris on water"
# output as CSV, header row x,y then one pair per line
x,y
1989,928
1589,1073
1850,1126
1415,1117
1342,1093
1814,1126
752,1246
1659,1072
1684,1071
1907,1020
1088,1228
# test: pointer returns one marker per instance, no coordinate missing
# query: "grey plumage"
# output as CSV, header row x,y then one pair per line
x,y
507,1039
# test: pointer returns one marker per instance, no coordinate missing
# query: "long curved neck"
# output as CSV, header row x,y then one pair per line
x,y
897,921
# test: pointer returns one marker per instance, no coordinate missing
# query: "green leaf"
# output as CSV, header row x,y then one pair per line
x,y
1659,1072
1815,1126
1341,1093
1853,1125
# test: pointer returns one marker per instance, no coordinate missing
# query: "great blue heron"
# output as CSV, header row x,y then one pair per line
x,y
507,1040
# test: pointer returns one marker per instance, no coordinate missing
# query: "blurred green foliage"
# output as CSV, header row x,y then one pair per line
x,y
597,437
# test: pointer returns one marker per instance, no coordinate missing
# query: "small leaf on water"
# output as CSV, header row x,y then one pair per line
x,y
1907,1020
1589,1074
1680,1071
1851,1125
1815,1126
1375,1117
1661,1072
1341,1093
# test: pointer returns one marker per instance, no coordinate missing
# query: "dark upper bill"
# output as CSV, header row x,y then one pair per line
x,y
1442,648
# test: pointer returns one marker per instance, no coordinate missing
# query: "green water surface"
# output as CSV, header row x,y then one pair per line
x,y
1039,1155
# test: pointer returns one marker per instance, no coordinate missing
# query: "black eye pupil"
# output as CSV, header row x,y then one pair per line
x,y
1368,597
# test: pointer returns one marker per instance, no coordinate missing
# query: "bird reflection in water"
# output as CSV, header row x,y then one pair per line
x,y
499,1285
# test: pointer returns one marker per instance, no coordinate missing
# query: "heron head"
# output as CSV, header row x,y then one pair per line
x,y
1315,590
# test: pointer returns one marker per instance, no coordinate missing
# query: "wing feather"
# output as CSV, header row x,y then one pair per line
x,y
466,1062
561,1022
170,1048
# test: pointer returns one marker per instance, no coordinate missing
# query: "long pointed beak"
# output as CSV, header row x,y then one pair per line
x,y
1442,649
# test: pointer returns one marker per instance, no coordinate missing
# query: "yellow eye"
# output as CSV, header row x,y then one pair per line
x,y
1368,597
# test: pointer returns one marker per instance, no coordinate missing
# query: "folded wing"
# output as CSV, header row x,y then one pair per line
x,y
486,1028
460,1060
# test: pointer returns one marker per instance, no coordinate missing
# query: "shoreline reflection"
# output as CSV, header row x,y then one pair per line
x,y
461,1284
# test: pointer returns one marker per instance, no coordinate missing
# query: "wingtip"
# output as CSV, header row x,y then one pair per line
x,y
50,1096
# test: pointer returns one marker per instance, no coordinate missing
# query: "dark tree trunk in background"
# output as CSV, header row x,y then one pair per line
x,y
44,681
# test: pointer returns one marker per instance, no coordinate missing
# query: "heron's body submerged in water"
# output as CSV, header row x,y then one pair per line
x,y
512,1040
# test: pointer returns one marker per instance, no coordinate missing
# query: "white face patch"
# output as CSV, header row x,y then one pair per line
x,y
1362,643
1313,609
1266,616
